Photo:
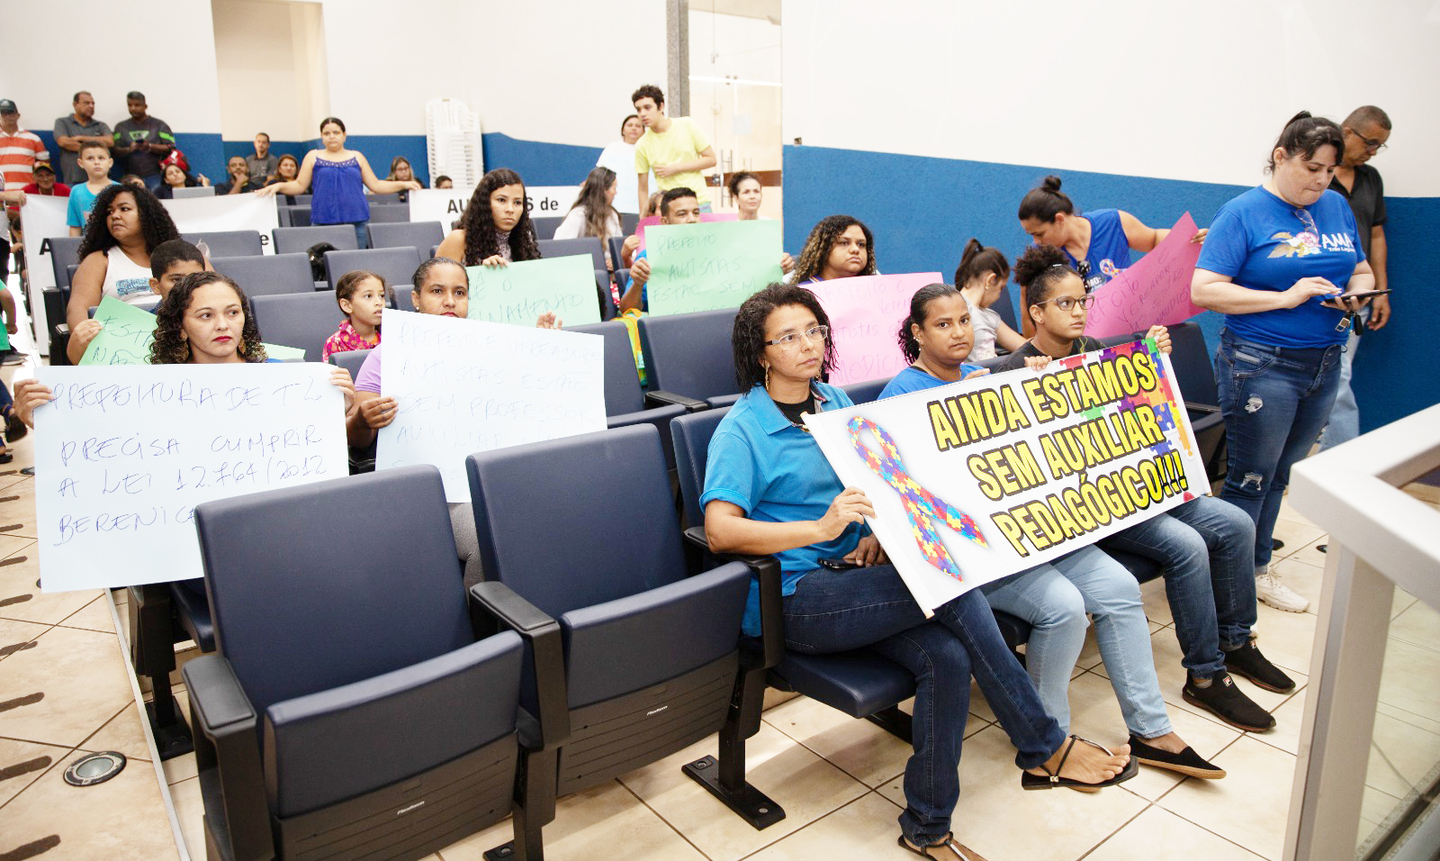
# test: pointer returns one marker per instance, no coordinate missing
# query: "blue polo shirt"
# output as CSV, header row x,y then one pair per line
x,y
912,379
775,473
1264,243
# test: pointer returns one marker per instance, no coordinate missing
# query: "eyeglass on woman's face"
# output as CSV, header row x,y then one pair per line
x,y
791,340
1066,303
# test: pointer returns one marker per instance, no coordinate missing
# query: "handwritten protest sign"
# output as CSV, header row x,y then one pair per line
x,y
520,292
464,386
1155,290
703,267
982,478
865,314
128,332
123,456
705,218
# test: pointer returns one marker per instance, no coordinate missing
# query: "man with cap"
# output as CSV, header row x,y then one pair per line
x,y
74,130
143,141
45,182
19,149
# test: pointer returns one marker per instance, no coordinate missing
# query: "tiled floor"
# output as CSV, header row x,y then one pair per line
x,y
65,690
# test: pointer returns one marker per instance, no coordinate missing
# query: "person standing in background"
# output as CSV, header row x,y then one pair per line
x,y
1366,131
675,149
143,141
19,150
620,157
79,128
263,163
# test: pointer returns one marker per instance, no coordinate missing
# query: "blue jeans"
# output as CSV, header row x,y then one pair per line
x,y
835,611
1345,415
1055,598
1205,548
1275,400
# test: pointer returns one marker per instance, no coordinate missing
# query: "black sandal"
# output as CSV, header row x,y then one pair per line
x,y
959,851
1050,779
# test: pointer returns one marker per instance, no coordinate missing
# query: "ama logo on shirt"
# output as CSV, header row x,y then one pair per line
x,y
1297,245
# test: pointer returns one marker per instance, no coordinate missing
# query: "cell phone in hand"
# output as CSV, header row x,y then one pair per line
x,y
839,564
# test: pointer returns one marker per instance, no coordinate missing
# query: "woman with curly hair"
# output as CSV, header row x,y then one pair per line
x,y
769,490
593,213
125,226
496,228
840,246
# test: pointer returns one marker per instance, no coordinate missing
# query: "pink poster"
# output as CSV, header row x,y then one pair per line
x,y
865,314
705,217
1155,290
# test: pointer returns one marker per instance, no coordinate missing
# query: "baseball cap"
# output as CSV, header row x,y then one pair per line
x,y
42,165
8,107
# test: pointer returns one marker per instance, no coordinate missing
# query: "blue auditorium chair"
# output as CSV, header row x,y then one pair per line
x,y
626,403
361,459
291,239
350,709
571,247
691,355
545,225
421,235
228,243
300,320
396,265
268,274
651,652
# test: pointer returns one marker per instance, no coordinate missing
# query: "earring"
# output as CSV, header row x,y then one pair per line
x,y
240,347
767,378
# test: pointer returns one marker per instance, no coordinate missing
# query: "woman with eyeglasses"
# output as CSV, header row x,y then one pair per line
x,y
1286,267
769,490
1097,243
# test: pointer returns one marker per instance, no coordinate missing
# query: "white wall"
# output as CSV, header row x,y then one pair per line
x,y
269,68
1194,91
42,72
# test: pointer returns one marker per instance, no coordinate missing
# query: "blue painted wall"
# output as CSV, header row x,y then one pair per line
x,y
923,210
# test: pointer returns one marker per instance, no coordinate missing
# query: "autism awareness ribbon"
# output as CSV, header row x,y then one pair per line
x,y
921,506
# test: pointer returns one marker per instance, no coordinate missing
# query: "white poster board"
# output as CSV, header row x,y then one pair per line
x,y
465,386
124,454
986,477
445,205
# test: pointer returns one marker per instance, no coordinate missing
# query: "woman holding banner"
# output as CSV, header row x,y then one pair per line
x,y
1203,547
496,229
1056,597
1098,243
125,226
769,490
340,176
1286,267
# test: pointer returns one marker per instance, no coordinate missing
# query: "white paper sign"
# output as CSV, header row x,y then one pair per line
x,y
466,386
986,477
446,205
227,212
124,454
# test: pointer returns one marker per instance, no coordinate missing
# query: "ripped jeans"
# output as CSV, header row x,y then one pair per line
x,y
1275,401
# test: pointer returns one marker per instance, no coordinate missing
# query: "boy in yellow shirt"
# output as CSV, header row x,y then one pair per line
x,y
676,149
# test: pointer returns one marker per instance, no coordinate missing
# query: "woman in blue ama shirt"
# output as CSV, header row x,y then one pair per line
x,y
1279,264
769,490
1097,244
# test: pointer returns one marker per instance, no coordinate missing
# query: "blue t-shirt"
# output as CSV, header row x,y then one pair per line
x,y
339,192
1264,243
1109,250
82,200
775,473
912,379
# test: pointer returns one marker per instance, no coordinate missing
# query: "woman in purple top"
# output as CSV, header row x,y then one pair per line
x,y
335,176
1098,243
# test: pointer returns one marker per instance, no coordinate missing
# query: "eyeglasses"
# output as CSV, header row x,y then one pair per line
x,y
1369,142
1066,303
791,340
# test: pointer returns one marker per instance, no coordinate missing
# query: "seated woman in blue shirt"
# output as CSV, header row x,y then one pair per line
x,y
1056,597
1097,244
1283,262
769,490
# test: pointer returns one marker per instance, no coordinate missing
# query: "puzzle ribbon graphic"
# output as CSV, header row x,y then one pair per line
x,y
921,506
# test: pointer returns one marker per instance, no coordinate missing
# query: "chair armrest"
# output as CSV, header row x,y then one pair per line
x,y
229,754
767,570
62,329
547,649
691,405
1194,407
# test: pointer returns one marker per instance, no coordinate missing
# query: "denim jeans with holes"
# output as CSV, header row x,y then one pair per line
x,y
1275,400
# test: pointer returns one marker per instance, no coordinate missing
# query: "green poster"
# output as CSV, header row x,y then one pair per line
x,y
702,267
521,292
126,338
128,331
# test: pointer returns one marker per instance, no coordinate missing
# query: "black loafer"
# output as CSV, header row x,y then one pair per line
x,y
1186,762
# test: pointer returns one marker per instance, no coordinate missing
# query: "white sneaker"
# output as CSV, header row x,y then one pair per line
x,y
1277,594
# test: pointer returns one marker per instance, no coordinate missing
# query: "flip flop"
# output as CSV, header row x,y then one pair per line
x,y
952,848
1050,779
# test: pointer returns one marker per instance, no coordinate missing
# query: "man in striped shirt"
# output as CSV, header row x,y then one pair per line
x,y
19,149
